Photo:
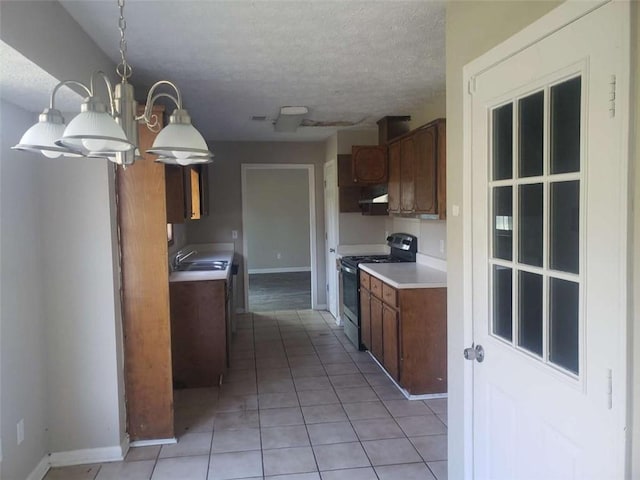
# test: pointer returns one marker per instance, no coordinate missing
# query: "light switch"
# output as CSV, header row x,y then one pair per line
x,y
455,210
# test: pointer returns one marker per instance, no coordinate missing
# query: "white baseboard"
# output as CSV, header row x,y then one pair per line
x,y
89,455
79,457
41,469
279,270
153,442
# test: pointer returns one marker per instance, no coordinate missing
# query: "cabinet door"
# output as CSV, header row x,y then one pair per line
x,y
369,164
365,318
425,170
176,192
407,174
345,171
441,168
394,177
204,190
376,329
198,332
390,336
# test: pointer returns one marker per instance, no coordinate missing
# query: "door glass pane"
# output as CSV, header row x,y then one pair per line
x,y
503,222
565,126
530,312
503,142
563,348
531,116
565,223
502,301
530,224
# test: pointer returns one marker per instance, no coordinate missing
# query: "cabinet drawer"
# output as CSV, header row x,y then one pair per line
x,y
364,280
376,287
389,295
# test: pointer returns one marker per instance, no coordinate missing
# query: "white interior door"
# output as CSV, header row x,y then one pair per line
x,y
331,234
548,231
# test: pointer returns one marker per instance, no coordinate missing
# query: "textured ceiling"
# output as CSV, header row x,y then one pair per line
x,y
25,84
345,60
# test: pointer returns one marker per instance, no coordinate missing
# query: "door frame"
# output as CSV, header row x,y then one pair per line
x,y
331,218
560,17
245,167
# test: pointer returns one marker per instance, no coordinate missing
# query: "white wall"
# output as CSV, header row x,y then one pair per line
x,y
23,346
83,335
472,28
225,208
73,205
634,290
277,221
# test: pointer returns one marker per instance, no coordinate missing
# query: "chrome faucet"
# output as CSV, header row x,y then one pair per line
x,y
181,257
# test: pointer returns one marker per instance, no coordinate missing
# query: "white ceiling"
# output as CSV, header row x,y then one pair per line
x,y
345,60
24,83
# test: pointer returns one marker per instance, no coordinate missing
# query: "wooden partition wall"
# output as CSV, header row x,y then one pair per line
x,y
142,219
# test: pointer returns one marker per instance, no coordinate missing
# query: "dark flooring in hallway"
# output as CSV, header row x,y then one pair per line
x,y
279,291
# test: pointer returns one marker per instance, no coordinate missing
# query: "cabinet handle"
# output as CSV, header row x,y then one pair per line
x,y
355,180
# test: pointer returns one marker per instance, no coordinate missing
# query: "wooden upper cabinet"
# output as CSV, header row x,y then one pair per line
x,y
369,164
425,170
204,190
178,210
408,161
441,168
345,177
417,171
394,178
187,191
391,127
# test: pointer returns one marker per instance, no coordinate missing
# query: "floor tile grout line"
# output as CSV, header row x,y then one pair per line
x,y
255,362
315,458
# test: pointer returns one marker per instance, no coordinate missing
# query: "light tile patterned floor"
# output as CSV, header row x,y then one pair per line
x,y
299,403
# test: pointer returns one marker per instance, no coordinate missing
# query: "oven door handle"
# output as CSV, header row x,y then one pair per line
x,y
349,269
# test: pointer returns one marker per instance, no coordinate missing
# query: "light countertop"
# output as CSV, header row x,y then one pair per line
x,y
407,275
205,254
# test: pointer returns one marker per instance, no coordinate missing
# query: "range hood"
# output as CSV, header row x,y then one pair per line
x,y
374,200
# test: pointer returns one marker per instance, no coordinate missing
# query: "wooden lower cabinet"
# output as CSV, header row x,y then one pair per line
x,y
406,331
365,315
198,333
377,346
390,342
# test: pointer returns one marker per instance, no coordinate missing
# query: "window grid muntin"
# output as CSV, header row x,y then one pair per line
x,y
546,179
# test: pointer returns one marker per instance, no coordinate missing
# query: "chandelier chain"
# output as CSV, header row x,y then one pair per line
x,y
123,69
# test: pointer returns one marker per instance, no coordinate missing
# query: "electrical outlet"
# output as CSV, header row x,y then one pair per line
x,y
20,431
279,256
441,246
234,234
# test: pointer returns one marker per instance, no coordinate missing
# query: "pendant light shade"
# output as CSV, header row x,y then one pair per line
x,y
194,160
180,141
112,133
95,132
41,137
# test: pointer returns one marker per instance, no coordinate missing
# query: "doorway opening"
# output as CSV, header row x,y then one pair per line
x,y
278,212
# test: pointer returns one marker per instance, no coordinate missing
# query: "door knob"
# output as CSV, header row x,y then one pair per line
x,y
474,353
332,250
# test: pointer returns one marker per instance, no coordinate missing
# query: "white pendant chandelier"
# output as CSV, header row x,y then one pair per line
x,y
111,131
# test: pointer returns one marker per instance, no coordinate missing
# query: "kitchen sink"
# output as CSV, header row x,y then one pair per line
x,y
202,266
